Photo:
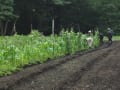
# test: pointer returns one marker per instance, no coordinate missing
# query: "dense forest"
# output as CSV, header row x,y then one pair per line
x,y
22,16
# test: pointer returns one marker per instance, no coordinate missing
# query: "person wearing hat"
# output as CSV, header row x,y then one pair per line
x,y
89,39
109,35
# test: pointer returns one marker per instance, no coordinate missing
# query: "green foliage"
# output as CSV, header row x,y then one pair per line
x,y
18,51
66,13
61,2
6,16
6,9
108,13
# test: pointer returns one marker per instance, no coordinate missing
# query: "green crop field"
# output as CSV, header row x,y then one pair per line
x,y
18,51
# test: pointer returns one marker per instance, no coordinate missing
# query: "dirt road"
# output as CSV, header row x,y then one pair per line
x,y
93,70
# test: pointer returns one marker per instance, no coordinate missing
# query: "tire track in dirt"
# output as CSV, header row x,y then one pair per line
x,y
73,80
104,76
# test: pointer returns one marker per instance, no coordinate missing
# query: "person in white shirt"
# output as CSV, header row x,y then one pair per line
x,y
89,39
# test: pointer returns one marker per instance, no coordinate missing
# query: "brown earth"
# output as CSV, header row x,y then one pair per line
x,y
97,69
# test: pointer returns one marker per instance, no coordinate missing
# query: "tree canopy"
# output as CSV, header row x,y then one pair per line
x,y
6,14
38,14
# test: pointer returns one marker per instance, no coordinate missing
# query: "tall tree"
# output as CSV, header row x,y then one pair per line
x,y
109,13
6,14
38,14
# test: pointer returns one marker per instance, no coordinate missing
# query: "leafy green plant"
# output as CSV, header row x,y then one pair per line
x,y
18,51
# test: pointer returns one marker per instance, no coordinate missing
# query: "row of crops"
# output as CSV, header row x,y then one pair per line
x,y
19,50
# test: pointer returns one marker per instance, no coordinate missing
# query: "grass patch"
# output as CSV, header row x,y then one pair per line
x,y
115,38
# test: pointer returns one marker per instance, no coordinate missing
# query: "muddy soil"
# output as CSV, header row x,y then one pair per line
x,y
96,69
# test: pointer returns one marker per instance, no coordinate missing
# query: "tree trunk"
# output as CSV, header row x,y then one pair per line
x,y
14,28
53,26
1,28
5,29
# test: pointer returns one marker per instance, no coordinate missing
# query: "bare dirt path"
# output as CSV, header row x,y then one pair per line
x,y
93,70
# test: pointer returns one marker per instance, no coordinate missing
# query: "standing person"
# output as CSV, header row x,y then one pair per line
x,y
109,35
89,39
101,37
